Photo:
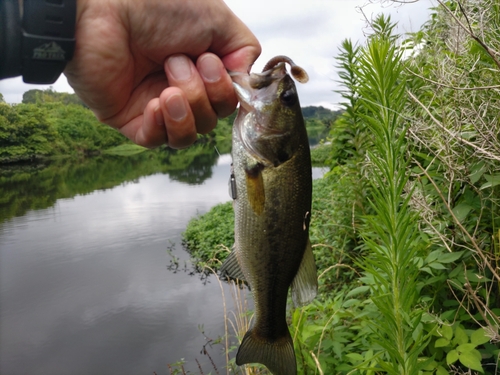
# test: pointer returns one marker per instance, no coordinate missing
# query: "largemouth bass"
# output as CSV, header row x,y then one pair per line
x,y
272,189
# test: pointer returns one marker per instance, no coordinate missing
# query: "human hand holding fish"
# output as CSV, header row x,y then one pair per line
x,y
156,70
272,195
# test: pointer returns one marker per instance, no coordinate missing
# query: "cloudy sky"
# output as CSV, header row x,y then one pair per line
x,y
310,32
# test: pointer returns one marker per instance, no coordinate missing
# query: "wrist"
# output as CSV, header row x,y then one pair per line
x,y
48,39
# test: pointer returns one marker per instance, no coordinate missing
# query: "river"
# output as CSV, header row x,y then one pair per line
x,y
86,278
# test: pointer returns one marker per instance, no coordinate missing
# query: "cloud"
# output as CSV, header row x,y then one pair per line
x,y
14,88
310,32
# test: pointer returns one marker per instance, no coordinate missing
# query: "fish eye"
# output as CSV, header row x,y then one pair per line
x,y
289,97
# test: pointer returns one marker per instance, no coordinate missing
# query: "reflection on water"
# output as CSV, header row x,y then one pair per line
x,y
84,285
84,280
34,187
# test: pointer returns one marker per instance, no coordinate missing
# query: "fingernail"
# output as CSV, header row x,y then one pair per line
x,y
180,67
210,68
159,116
176,107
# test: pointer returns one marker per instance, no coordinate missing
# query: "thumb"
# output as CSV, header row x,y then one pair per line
x,y
242,59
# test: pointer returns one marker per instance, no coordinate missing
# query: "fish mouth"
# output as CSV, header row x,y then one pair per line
x,y
259,80
258,94
256,90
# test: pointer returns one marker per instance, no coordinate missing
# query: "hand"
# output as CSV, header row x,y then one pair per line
x,y
156,69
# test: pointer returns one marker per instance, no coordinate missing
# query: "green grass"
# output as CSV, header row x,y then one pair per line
x,y
126,149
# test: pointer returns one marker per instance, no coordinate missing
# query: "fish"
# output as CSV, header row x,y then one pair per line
x,y
271,187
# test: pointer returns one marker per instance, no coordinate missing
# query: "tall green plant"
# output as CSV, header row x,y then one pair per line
x,y
391,234
347,133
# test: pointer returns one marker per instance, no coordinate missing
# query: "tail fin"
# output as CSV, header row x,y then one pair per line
x,y
278,356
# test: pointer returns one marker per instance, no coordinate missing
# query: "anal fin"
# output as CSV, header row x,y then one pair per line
x,y
231,267
305,283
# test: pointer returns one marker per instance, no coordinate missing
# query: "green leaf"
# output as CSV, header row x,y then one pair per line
x,y
429,364
436,254
428,270
437,266
467,347
417,332
493,180
479,337
350,302
442,342
461,211
446,331
457,271
450,257
477,171
344,367
358,290
448,315
451,357
355,357
470,360
468,134
460,336
310,330
441,371
474,276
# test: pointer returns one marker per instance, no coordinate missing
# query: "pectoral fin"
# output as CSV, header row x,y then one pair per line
x,y
305,284
231,268
255,188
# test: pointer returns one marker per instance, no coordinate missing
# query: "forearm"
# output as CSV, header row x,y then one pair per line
x,y
37,41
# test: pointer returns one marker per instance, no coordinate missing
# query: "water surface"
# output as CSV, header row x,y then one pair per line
x,y
85,282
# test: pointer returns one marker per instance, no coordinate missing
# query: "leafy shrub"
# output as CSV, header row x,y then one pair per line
x,y
209,236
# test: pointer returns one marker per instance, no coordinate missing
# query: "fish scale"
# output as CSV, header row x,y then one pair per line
x,y
272,203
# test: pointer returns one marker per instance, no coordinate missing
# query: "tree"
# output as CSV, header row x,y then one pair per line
x,y
30,96
36,96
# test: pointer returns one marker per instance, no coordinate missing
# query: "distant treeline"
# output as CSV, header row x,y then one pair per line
x,y
320,113
48,124
319,122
